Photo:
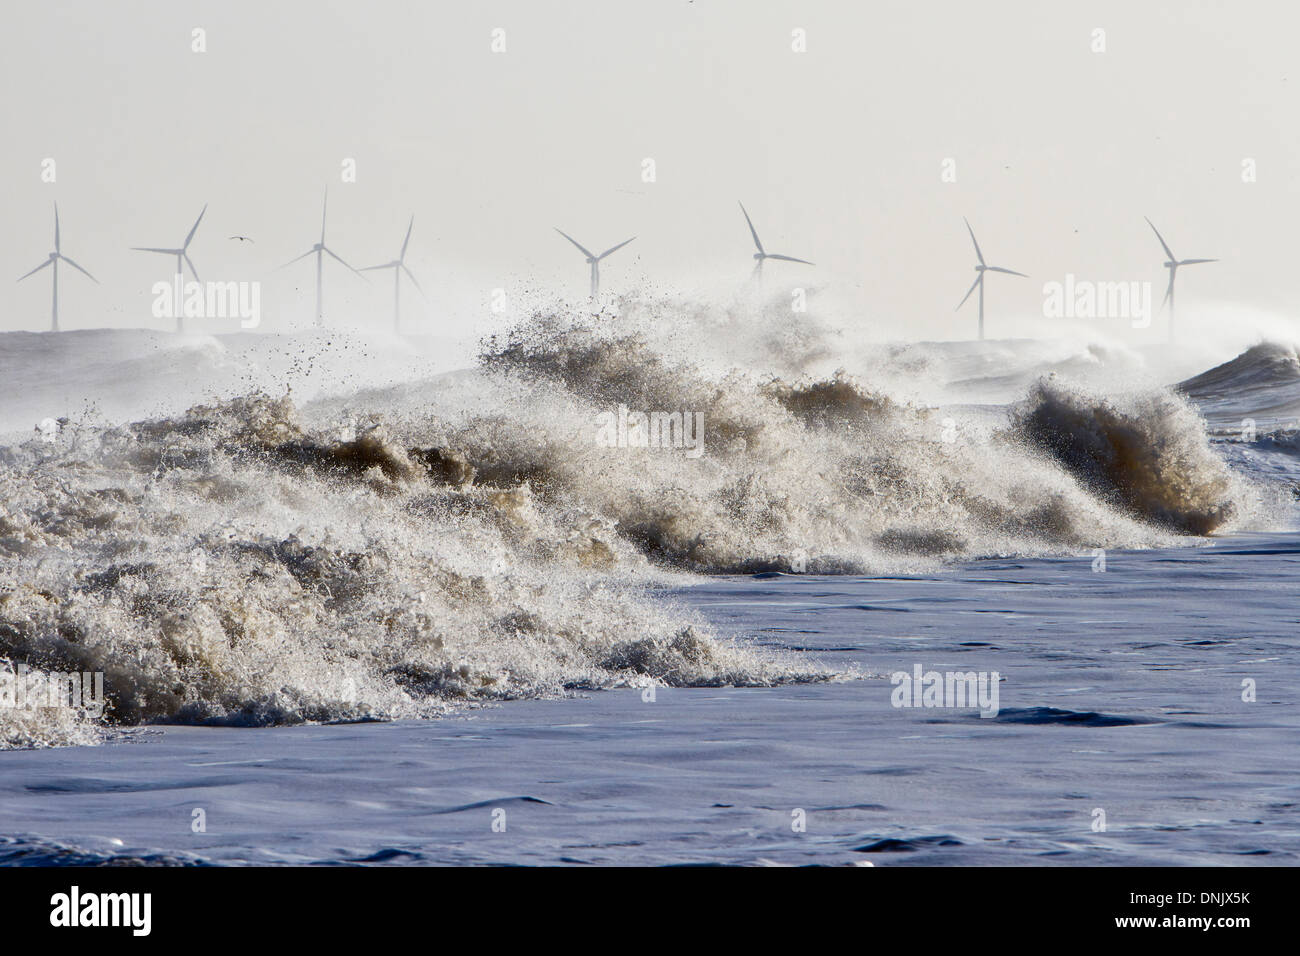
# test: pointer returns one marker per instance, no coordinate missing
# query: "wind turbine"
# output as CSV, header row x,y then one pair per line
x,y
182,257
319,250
53,260
762,253
982,268
593,259
398,266
1172,265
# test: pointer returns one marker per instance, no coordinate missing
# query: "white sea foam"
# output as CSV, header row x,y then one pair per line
x,y
404,543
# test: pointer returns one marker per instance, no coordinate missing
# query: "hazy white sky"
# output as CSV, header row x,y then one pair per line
x,y
837,151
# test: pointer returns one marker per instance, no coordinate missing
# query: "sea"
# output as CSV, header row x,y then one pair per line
x,y
675,582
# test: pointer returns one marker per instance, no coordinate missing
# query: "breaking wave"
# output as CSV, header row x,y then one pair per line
x,y
401,551
1151,457
1263,381
225,566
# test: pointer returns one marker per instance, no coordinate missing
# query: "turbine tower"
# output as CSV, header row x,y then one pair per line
x,y
182,258
398,266
762,254
982,268
1172,265
594,260
319,250
53,260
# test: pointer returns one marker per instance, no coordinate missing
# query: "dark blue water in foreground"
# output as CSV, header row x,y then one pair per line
x,y
1121,693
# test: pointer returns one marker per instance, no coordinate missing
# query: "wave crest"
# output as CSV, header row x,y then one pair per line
x,y
1151,456
402,551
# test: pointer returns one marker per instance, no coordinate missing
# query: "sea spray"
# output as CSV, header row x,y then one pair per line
x,y
403,551
1147,452
338,580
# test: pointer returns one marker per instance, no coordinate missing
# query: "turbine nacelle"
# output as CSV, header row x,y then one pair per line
x,y
182,257
589,257
762,255
1172,264
320,250
52,263
981,270
398,266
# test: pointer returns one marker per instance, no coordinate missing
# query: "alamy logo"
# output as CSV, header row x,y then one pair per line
x,y
133,910
77,690
954,689
179,299
628,429
1086,299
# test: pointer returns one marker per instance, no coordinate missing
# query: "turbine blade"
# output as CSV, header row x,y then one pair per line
x,y
409,227
979,255
580,246
36,270
1169,291
1010,272
615,248
170,252
789,259
1164,245
56,227
195,227
78,268
303,256
1192,262
386,265
193,271
323,207
411,275
752,231
978,279
336,258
